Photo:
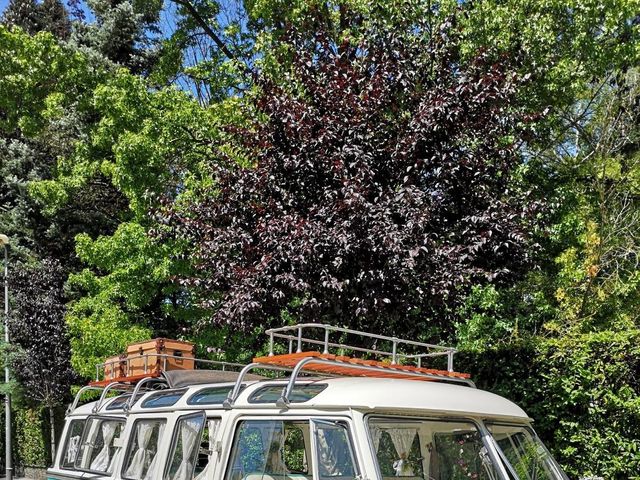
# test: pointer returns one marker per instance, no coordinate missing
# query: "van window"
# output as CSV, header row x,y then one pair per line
x,y
184,447
525,452
205,459
299,394
163,399
119,402
210,396
72,443
333,451
434,449
100,445
270,449
142,451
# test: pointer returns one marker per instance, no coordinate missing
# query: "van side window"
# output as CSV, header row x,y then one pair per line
x,y
334,451
184,448
270,449
99,448
72,444
205,459
429,449
142,452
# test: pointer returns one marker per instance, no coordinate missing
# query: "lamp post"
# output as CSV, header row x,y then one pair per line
x,y
4,240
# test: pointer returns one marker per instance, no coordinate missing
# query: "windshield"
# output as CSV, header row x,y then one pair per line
x,y
525,453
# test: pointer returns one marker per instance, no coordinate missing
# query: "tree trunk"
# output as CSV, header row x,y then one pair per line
x,y
52,421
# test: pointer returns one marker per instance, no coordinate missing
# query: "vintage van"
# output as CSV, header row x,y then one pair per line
x,y
330,417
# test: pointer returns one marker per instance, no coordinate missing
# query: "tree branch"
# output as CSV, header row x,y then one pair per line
x,y
208,30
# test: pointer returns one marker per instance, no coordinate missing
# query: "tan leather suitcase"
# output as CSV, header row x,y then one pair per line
x,y
115,367
149,356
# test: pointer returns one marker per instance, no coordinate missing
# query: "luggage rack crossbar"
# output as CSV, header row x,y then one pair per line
x,y
295,335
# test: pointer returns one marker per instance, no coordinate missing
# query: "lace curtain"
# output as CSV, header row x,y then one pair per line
x,y
334,452
402,439
72,449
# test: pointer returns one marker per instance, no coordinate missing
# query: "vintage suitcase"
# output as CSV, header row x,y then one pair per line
x,y
159,354
115,367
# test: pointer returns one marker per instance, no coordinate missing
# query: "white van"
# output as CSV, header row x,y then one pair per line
x,y
354,419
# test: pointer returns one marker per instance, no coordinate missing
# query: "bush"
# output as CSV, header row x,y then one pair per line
x,y
582,390
29,435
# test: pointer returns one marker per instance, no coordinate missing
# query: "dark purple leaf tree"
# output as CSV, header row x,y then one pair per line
x,y
38,335
379,190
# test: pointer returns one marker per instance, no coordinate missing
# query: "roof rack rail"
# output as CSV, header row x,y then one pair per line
x,y
299,335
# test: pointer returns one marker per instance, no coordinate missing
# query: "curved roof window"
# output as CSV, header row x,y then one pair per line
x,y
301,393
210,395
163,399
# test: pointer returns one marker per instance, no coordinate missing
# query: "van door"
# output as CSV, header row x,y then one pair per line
x,y
333,451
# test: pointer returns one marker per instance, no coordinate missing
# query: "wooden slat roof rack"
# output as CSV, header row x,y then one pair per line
x,y
397,364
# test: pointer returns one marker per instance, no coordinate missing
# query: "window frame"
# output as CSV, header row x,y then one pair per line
x,y
554,464
483,432
69,426
191,403
314,422
102,418
175,438
253,401
131,448
211,447
347,421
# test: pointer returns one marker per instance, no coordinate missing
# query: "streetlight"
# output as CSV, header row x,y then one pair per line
x,y
4,240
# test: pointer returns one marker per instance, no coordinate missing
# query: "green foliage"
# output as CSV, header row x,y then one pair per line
x,y
33,72
29,437
580,389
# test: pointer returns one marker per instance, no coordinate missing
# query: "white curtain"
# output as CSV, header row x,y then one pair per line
x,y
143,435
101,462
72,449
402,439
189,436
114,459
213,430
152,465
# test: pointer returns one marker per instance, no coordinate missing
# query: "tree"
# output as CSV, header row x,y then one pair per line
x,y
33,17
39,333
375,191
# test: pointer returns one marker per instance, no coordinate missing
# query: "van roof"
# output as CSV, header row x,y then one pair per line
x,y
365,394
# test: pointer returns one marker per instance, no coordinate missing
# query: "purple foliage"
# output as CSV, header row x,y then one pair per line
x,y
380,190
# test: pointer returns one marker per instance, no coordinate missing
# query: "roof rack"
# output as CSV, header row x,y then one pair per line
x,y
397,364
299,335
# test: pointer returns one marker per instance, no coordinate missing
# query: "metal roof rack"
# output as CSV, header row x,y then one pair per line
x,y
397,365
298,335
